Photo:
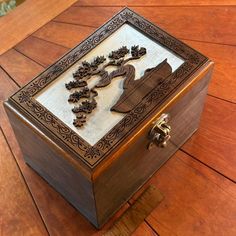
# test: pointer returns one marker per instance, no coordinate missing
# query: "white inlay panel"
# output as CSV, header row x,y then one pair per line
x,y
55,96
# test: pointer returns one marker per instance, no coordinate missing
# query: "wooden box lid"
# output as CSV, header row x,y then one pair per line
x,y
159,66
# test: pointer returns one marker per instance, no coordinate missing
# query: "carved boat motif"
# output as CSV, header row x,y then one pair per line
x,y
136,90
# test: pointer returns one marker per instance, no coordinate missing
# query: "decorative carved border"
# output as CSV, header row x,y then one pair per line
x,y
91,155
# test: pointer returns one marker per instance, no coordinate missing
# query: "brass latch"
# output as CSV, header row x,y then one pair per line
x,y
160,132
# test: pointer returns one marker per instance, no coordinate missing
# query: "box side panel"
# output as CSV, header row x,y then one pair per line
x,y
46,159
133,168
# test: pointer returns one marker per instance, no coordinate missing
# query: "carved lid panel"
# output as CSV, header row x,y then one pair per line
x,y
101,119
102,90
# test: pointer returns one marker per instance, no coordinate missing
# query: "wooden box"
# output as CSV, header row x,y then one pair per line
x,y
136,93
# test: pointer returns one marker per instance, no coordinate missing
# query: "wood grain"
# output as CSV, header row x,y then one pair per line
x,y
214,143
195,23
26,18
223,83
153,2
15,219
194,204
73,185
136,214
55,32
41,51
144,230
8,87
21,68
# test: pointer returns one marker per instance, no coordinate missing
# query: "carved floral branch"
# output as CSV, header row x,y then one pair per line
x,y
97,67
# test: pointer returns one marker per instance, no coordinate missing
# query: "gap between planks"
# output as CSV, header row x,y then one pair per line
x,y
15,27
24,181
136,214
144,5
190,155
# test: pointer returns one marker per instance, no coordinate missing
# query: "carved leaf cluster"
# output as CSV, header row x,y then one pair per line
x,y
138,52
76,84
87,70
79,121
121,52
76,96
86,106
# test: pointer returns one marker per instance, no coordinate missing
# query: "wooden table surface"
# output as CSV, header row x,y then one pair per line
x,y
198,182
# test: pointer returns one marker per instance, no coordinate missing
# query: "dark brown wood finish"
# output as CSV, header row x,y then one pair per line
x,y
59,216
62,147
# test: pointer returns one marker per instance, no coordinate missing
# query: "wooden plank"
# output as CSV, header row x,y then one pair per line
x,y
215,141
153,3
144,230
19,215
223,83
216,178
82,15
135,215
8,87
26,18
195,23
55,32
41,51
21,68
197,201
